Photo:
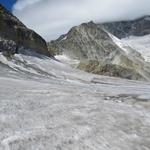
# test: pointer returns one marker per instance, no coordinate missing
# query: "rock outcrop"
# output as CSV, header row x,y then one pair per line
x,y
97,67
11,29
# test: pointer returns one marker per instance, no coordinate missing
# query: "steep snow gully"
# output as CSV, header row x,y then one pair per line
x,y
47,105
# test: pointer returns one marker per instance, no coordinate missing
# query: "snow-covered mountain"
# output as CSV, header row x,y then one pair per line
x,y
139,43
134,33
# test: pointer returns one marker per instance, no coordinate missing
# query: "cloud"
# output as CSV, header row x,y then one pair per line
x,y
51,18
21,4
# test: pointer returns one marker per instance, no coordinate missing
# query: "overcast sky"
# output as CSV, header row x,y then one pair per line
x,y
52,18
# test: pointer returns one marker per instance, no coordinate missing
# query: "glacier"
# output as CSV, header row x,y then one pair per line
x,y
48,105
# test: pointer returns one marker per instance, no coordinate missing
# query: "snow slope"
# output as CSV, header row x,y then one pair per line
x,y
47,105
141,44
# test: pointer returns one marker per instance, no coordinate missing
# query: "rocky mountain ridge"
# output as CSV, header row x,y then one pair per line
x,y
95,45
123,29
14,31
90,42
86,41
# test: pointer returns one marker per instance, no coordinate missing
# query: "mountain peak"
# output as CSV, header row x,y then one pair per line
x,y
101,52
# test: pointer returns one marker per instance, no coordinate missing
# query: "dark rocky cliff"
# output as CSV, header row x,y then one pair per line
x,y
122,29
14,31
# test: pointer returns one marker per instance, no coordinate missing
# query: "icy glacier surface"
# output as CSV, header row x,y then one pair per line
x,y
47,105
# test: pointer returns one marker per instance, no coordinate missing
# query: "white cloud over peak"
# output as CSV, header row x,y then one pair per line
x,y
51,18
